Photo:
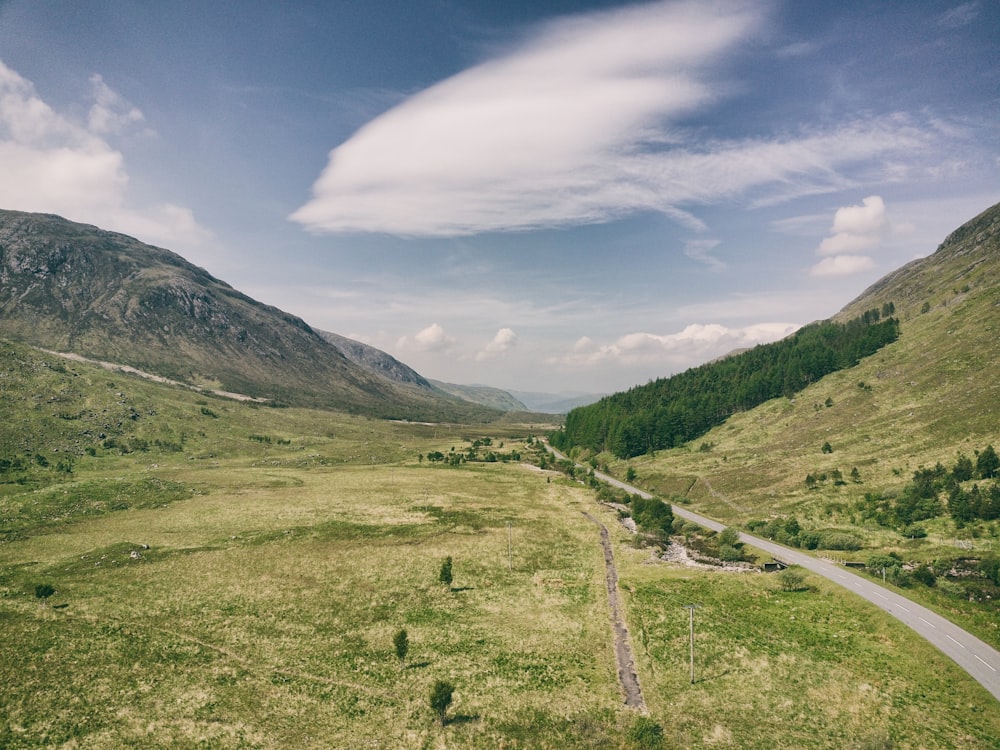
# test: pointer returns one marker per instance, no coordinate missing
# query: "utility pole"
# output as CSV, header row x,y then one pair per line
x,y
691,608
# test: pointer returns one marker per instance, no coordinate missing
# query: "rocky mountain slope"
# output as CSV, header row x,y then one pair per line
x,y
71,287
495,398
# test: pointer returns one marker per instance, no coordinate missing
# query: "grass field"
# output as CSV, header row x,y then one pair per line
x,y
259,612
239,583
802,669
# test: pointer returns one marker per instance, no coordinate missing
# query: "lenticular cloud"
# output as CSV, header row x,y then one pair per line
x,y
541,137
578,125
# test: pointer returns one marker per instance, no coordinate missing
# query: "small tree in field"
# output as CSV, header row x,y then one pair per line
x,y
401,641
445,575
441,699
43,591
791,579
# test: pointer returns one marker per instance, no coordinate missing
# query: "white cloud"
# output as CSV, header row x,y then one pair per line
x,y
854,229
868,218
842,265
845,242
580,124
430,339
54,164
695,344
504,340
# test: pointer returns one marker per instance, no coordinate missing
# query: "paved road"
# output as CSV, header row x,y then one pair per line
x,y
976,657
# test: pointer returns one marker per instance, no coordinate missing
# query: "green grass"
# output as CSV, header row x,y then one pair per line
x,y
778,669
239,593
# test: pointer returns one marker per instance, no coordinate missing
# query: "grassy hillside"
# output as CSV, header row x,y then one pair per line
x,y
926,398
229,575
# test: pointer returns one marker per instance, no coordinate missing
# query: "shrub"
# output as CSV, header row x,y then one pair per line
x,y
645,734
924,575
729,553
729,537
879,561
809,539
792,579
43,591
444,576
839,540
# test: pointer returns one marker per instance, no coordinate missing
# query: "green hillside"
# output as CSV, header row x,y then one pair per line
x,y
872,436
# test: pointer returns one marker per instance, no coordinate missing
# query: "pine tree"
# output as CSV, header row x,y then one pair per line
x,y
401,642
441,699
445,575
987,463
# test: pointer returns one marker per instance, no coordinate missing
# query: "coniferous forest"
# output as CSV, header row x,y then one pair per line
x,y
671,411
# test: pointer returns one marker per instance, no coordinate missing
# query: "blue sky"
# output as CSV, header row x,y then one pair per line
x,y
549,196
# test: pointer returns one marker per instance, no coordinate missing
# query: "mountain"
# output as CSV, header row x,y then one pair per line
x,y
72,287
376,361
494,398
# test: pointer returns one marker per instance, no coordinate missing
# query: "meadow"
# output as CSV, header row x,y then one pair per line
x,y
238,584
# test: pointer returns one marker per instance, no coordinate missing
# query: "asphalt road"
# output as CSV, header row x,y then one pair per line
x,y
976,657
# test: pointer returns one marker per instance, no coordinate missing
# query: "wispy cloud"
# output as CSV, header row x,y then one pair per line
x,y
697,342
56,164
532,138
700,250
110,113
960,15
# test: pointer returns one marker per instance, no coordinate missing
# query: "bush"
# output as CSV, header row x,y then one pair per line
x,y
729,553
43,591
875,563
792,579
729,537
924,575
444,576
809,539
839,540
645,734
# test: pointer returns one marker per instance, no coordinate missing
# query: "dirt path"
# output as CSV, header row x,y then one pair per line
x,y
623,651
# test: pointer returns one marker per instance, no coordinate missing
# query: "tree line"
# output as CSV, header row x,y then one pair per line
x,y
669,412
